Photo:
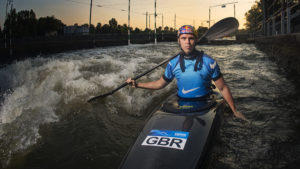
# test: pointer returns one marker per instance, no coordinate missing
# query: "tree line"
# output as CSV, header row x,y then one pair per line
x,y
254,17
114,27
25,24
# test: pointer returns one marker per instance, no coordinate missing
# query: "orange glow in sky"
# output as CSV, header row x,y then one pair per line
x,y
193,12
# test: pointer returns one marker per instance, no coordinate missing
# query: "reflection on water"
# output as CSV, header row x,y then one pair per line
x,y
45,121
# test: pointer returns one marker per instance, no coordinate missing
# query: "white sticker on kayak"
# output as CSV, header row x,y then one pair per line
x,y
166,138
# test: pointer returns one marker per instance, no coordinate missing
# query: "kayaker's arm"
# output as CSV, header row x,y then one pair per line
x,y
154,85
225,91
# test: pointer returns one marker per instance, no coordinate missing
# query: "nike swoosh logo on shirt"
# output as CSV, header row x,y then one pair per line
x,y
188,91
212,66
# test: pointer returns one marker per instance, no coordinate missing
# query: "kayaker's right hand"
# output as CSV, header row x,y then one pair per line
x,y
131,82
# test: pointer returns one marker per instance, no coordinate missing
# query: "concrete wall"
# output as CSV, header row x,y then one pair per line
x,y
31,47
284,49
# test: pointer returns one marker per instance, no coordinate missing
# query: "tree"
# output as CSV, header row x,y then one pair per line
x,y
21,24
10,24
254,17
98,27
159,29
113,24
26,23
92,29
166,28
137,30
49,24
147,30
124,28
105,28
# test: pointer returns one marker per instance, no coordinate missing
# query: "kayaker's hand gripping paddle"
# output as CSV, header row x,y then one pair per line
x,y
220,29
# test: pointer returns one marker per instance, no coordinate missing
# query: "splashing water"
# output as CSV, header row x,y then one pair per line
x,y
45,121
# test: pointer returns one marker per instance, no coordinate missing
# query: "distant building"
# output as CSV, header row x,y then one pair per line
x,y
76,30
52,33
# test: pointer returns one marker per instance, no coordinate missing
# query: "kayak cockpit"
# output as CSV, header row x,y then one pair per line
x,y
177,139
174,104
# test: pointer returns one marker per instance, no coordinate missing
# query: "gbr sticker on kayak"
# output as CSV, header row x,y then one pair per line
x,y
166,138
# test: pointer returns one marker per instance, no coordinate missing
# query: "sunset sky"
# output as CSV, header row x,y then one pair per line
x,y
193,12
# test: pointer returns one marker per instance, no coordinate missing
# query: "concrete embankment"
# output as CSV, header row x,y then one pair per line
x,y
284,49
30,47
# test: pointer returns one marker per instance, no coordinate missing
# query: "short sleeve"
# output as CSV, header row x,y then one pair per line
x,y
215,70
168,75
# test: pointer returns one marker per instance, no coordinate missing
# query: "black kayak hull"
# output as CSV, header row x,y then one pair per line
x,y
175,140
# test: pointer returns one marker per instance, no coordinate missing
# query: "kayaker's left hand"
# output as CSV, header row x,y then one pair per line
x,y
240,116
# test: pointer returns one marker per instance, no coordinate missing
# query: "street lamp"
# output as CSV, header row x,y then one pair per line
x,y
128,22
155,21
9,2
223,6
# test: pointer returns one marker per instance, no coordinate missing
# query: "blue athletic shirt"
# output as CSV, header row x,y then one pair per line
x,y
193,84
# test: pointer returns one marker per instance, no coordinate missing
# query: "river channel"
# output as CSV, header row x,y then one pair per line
x,y
46,123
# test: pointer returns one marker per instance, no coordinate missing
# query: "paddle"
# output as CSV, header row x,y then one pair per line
x,y
222,28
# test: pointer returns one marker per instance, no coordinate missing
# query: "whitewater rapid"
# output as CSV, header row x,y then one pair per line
x,y
45,119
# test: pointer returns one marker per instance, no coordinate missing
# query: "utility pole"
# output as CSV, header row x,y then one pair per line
x,y
5,34
146,20
90,25
91,5
175,23
9,2
162,26
209,18
234,9
149,22
128,22
155,22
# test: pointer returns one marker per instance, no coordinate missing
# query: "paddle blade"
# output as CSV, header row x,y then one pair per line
x,y
222,28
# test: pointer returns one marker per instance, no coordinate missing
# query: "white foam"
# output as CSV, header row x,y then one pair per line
x,y
36,88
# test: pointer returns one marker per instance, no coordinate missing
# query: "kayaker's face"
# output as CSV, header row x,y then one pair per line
x,y
187,43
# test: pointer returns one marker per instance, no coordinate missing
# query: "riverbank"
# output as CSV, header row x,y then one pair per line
x,y
31,47
284,49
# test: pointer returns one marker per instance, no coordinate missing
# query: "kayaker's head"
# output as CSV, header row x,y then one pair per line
x,y
187,38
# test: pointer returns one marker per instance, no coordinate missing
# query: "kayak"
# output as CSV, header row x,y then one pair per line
x,y
178,135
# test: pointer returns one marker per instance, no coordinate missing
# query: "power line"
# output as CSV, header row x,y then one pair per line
x,y
97,5
110,6
106,6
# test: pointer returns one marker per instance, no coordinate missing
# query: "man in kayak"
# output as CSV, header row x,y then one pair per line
x,y
193,70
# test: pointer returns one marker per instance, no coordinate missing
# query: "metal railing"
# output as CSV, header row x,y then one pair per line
x,y
283,21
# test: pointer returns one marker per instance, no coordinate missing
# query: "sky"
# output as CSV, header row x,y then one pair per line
x,y
192,12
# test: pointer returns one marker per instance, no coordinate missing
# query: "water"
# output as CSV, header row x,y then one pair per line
x,y
45,121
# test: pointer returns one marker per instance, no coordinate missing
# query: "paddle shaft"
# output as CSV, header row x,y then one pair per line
x,y
220,29
135,78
